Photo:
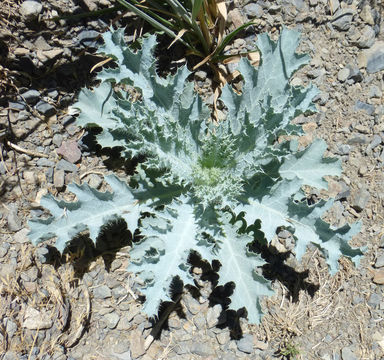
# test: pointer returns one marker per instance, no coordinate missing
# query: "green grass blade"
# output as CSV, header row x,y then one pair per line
x,y
229,38
156,24
196,6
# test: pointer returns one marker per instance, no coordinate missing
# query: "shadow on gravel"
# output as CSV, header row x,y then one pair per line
x,y
69,77
81,252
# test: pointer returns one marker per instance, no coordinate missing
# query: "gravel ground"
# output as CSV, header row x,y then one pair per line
x,y
84,305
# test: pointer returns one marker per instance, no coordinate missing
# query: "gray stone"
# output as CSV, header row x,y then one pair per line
x,y
199,321
367,38
136,341
357,299
10,326
344,192
368,108
374,300
102,292
334,5
121,347
45,162
343,74
322,98
41,44
375,92
375,57
245,344
10,355
119,292
347,354
87,38
366,15
30,10
57,139
357,139
354,74
380,261
201,349
182,347
31,96
124,324
35,319
253,10
43,254
66,166
4,249
14,223
200,75
342,19
192,305
45,108
228,356
59,356
213,314
344,149
95,181
53,93
59,179
16,105
111,320
360,199
21,236
299,4
376,141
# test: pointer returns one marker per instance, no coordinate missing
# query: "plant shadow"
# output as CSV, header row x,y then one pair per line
x,y
81,252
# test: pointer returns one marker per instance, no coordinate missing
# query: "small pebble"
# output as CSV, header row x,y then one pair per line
x,y
213,314
45,162
380,261
375,57
367,38
343,74
66,166
245,344
30,10
59,179
368,108
374,300
360,199
102,292
31,96
87,38
45,108
57,139
70,151
111,320
14,222
342,19
347,354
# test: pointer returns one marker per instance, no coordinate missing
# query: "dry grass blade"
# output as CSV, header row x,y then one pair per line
x,y
178,37
101,63
222,16
81,320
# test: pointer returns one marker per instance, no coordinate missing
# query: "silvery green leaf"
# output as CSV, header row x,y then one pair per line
x,y
310,167
90,212
164,251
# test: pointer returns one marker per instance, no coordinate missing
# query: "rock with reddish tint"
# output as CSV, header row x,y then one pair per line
x,y
70,151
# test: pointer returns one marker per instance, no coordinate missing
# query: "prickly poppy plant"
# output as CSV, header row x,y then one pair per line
x,y
202,186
